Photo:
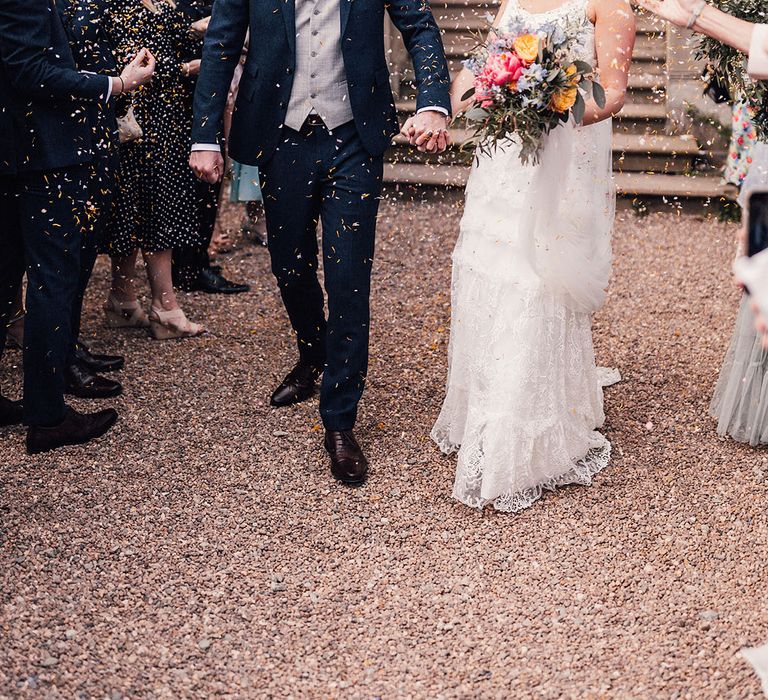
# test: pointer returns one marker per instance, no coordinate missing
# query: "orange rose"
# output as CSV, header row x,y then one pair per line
x,y
527,48
571,71
564,99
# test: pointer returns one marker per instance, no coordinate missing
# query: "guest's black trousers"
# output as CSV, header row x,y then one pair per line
x,y
41,225
189,262
102,185
319,176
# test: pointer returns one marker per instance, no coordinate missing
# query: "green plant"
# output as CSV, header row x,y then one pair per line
x,y
731,63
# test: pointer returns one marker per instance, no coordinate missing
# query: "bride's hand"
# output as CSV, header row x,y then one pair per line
x,y
678,12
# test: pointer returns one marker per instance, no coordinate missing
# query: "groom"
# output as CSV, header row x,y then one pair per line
x,y
315,112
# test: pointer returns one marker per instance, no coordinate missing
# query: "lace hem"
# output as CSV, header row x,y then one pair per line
x,y
597,459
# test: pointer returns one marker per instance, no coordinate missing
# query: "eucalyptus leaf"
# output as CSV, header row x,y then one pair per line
x,y
476,114
583,67
599,94
579,108
469,93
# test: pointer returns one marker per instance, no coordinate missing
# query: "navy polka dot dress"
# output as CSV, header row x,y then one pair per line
x,y
159,199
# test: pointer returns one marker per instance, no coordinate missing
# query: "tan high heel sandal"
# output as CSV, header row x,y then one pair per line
x,y
124,314
166,325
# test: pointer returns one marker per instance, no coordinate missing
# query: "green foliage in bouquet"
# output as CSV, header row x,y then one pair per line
x,y
527,82
732,64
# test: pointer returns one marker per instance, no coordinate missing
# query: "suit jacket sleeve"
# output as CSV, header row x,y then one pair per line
x,y
221,54
29,59
421,35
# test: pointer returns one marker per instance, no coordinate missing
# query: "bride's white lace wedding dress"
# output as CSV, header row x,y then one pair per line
x,y
524,397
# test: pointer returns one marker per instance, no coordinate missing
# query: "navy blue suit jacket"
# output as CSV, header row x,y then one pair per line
x,y
45,103
88,37
267,79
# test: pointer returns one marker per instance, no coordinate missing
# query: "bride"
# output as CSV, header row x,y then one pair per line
x,y
524,397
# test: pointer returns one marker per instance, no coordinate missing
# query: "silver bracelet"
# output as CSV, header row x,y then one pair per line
x,y
696,14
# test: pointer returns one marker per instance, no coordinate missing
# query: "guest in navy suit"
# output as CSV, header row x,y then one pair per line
x,y
315,112
91,49
47,107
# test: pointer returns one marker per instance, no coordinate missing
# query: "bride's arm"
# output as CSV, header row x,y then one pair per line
x,y
461,83
614,40
465,80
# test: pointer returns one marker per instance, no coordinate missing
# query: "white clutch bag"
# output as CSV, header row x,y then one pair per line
x,y
128,128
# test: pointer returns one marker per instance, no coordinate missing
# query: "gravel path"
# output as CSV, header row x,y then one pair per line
x,y
203,549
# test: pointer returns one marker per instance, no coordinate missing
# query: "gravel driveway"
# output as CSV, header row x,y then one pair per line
x,y
202,548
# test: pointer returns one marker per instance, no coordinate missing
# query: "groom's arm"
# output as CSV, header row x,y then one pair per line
x,y
421,35
221,53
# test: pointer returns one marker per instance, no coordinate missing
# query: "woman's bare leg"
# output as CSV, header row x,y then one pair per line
x,y
124,277
159,268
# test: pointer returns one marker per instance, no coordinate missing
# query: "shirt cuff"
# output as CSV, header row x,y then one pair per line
x,y
206,147
442,110
758,53
109,83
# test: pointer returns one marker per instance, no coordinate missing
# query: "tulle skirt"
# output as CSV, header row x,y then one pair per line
x,y
740,403
524,396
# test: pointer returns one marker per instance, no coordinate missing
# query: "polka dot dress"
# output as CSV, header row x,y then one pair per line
x,y
159,200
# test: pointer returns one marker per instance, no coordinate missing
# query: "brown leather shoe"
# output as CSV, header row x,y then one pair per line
x,y
298,386
348,463
75,429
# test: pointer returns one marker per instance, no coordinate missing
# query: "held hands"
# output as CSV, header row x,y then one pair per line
x,y
138,72
207,166
678,12
428,131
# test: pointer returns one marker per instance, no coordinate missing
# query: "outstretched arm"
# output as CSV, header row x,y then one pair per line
x,y
25,40
701,17
614,41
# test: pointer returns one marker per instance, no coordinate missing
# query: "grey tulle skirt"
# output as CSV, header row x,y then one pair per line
x,y
740,403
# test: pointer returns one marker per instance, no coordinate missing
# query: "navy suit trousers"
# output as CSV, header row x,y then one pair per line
x,y
317,176
43,221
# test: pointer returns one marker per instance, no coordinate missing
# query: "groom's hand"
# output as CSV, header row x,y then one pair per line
x,y
427,131
207,166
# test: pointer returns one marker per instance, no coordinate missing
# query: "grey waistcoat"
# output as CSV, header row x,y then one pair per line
x,y
320,81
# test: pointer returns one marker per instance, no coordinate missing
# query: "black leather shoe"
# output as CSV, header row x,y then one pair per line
x,y
211,281
11,412
348,463
97,363
75,429
83,383
298,386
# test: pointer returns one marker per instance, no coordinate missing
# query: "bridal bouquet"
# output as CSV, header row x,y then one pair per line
x,y
731,63
526,84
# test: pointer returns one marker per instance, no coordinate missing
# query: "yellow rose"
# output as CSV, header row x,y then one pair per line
x,y
571,71
527,48
564,99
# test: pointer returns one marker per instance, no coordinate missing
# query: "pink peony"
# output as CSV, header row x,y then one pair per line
x,y
483,93
503,69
